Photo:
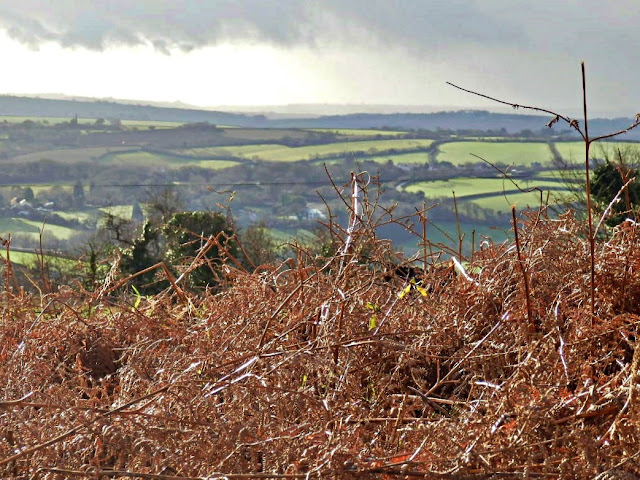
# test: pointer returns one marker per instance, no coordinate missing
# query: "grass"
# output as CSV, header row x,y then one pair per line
x,y
522,200
62,233
46,120
263,134
17,225
90,121
415,158
69,155
509,153
148,159
31,228
437,234
122,211
81,215
403,158
360,132
141,158
210,164
282,153
474,186
30,259
301,235
145,124
573,152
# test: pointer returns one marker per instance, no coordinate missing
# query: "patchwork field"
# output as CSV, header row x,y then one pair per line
x,y
263,134
31,260
140,124
31,229
402,158
149,159
69,155
503,202
509,153
493,193
62,233
282,153
477,186
122,211
573,152
359,132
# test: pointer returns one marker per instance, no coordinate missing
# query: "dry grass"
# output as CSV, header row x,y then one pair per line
x,y
317,368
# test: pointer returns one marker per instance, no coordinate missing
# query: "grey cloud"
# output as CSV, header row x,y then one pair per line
x,y
422,27
166,23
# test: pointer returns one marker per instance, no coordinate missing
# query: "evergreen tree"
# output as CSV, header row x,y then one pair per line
x,y
187,232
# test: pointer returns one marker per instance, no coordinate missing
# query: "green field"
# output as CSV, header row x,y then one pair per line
x,y
509,153
403,158
69,155
148,159
359,132
75,214
122,211
141,124
475,186
573,152
45,120
502,203
140,158
31,228
263,134
210,164
282,153
145,124
446,233
17,225
62,233
31,260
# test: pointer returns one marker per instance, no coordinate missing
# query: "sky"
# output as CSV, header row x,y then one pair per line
x,y
357,52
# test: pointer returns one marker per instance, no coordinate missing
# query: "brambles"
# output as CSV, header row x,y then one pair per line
x,y
523,365
317,368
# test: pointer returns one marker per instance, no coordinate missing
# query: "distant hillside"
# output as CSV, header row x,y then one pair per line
x,y
40,107
458,120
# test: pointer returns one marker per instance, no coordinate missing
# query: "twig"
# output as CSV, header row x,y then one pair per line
x,y
615,199
592,240
152,476
523,269
516,106
78,428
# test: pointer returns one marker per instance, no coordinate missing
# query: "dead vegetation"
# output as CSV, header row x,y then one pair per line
x,y
350,363
330,367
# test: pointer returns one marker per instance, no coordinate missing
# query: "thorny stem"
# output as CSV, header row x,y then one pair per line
x,y
460,235
587,144
526,107
523,269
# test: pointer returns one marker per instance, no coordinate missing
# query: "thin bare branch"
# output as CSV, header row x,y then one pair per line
x,y
556,116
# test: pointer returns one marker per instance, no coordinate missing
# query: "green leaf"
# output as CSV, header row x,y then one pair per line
x,y
138,297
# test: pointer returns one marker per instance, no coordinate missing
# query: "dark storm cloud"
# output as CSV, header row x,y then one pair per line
x,y
186,24
528,47
421,26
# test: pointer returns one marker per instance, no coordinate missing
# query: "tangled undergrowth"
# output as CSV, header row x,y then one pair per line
x,y
336,368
